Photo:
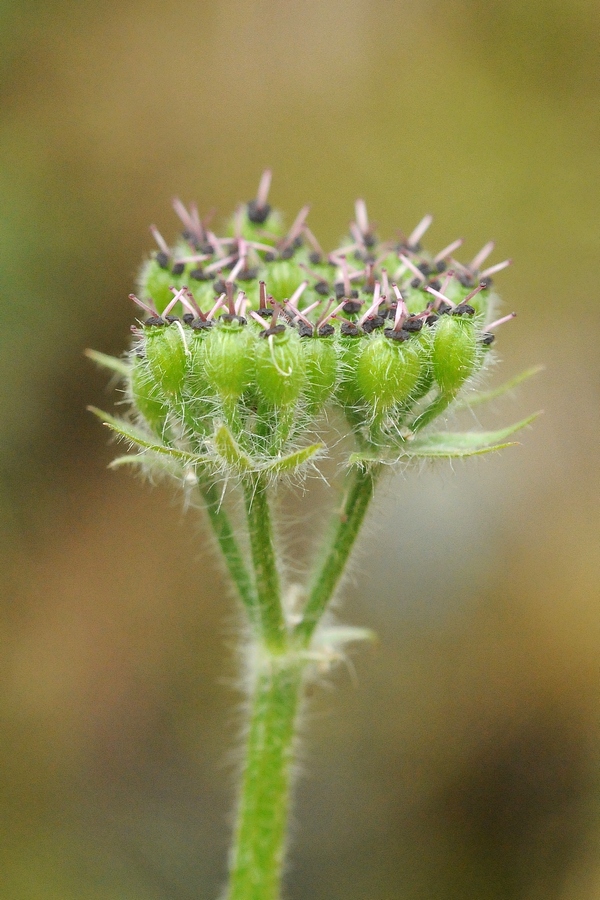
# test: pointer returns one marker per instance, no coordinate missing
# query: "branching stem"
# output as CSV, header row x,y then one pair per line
x,y
437,406
230,549
260,531
257,853
278,663
345,530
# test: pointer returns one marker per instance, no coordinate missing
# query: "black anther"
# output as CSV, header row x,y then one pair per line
x,y
326,330
258,214
396,335
412,324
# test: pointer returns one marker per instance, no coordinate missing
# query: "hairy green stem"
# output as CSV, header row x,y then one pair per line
x,y
257,854
260,532
259,842
344,533
229,547
431,412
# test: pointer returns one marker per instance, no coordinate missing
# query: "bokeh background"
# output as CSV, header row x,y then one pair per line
x,y
462,760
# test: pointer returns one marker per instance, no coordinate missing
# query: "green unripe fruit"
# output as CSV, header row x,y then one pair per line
x,y
388,371
280,367
197,382
155,283
480,302
202,291
321,362
146,395
265,230
198,407
261,344
228,359
455,291
391,264
351,347
423,342
455,352
283,278
166,353
415,299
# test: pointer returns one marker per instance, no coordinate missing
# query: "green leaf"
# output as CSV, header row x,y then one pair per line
x,y
140,439
485,396
340,635
162,464
228,448
446,444
132,459
293,460
367,459
109,362
469,443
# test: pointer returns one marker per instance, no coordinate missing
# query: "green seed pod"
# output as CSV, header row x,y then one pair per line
x,y
479,298
166,352
197,383
228,352
415,299
268,385
283,278
280,367
202,291
266,231
455,353
155,283
388,371
423,342
146,395
199,396
351,345
321,362
391,264
455,291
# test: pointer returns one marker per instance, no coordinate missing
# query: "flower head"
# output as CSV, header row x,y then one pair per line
x,y
247,339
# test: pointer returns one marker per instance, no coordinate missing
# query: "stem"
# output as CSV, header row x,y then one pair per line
x,y
437,406
229,547
260,532
347,527
259,841
348,522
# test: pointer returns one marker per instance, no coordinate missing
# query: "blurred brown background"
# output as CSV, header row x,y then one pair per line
x,y
464,762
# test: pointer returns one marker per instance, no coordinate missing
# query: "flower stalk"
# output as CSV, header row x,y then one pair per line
x,y
247,345
344,532
234,560
272,630
257,854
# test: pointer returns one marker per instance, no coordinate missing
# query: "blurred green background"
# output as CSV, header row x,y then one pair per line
x,y
463,762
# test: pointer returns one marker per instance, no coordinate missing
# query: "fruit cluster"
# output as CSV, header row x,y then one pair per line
x,y
261,331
